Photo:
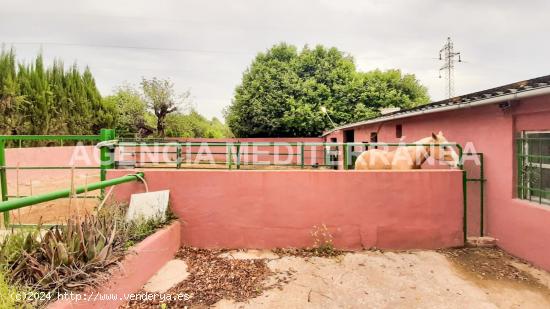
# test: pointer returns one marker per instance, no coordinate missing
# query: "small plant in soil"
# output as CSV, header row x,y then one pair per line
x,y
323,245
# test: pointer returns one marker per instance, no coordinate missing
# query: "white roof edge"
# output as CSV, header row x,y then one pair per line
x,y
516,95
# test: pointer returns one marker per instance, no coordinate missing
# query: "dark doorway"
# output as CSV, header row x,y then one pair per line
x,y
349,136
398,131
374,138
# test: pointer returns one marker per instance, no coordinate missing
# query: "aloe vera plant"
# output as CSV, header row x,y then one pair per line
x,y
63,257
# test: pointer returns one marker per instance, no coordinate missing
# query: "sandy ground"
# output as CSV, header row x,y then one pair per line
x,y
374,279
56,211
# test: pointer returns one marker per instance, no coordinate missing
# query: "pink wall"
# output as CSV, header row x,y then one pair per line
x,y
522,228
81,156
268,209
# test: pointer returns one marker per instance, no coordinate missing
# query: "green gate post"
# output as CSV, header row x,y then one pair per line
x,y
178,156
346,151
302,155
325,154
229,155
106,154
4,181
481,190
239,156
465,206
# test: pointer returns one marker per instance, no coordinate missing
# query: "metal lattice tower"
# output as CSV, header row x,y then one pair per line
x,y
447,54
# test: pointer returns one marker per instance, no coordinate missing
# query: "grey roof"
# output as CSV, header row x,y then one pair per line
x,y
522,86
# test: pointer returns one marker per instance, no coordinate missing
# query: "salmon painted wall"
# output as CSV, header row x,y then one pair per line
x,y
269,209
521,228
81,156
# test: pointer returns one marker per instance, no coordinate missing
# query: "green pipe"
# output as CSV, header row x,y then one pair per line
x,y
35,199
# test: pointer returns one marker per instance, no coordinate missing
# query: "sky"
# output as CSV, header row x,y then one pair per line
x,y
205,46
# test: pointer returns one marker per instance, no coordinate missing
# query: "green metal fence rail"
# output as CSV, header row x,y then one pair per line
x,y
233,152
106,134
533,167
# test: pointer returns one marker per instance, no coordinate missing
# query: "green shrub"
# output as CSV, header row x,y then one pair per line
x,y
9,293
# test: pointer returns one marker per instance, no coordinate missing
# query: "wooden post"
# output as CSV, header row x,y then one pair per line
x,y
71,195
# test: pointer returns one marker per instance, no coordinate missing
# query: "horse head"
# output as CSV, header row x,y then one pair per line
x,y
443,153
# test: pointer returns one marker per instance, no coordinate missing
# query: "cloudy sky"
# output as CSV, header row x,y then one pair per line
x,y
205,45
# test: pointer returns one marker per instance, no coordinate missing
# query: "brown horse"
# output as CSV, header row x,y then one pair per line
x,y
408,157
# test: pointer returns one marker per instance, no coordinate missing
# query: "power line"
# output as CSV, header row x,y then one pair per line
x,y
449,65
170,49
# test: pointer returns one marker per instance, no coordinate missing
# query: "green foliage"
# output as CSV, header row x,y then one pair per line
x,y
10,248
135,116
35,99
282,92
140,228
8,294
195,125
130,109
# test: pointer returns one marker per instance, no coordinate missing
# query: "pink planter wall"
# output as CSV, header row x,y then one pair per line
x,y
269,209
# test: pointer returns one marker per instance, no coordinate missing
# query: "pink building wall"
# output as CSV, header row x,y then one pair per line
x,y
521,227
269,209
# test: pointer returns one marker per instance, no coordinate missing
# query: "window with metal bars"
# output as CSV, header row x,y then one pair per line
x,y
533,157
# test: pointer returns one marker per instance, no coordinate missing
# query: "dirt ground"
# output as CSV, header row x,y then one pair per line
x,y
459,278
56,211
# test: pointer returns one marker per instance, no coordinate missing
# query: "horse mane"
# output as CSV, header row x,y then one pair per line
x,y
425,140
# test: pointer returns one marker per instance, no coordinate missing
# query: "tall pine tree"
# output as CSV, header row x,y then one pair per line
x,y
35,99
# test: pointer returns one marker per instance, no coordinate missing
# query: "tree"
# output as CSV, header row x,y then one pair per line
x,y
160,97
282,92
40,99
133,117
130,109
194,124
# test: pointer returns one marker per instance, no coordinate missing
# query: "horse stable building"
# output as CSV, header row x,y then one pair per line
x,y
509,127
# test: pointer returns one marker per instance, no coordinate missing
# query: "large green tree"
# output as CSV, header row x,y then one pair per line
x,y
35,99
282,92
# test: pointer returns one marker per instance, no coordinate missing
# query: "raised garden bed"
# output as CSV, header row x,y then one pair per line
x,y
142,261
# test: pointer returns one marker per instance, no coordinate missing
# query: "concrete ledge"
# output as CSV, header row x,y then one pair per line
x,y
140,264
